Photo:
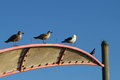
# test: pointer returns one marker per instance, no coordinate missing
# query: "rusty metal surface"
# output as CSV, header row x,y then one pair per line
x,y
34,56
75,56
9,61
41,56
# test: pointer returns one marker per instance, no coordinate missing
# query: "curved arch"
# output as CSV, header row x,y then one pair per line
x,y
61,53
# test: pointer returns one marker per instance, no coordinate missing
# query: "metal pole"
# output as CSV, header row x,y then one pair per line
x,y
105,60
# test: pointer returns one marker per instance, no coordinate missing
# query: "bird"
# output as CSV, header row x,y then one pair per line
x,y
14,38
70,39
44,36
93,51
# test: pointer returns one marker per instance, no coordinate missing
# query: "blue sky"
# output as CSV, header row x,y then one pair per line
x,y
91,20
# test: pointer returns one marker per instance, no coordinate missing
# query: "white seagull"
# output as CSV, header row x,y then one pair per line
x,y
44,36
70,39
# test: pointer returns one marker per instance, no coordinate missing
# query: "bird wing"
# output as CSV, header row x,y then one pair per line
x,y
42,36
13,37
68,39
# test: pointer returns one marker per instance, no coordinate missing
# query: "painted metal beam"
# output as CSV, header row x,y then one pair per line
x,y
33,49
21,59
54,45
62,53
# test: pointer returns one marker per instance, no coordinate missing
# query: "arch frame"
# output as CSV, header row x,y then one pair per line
x,y
49,65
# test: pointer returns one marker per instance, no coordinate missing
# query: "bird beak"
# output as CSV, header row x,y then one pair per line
x,y
22,33
51,32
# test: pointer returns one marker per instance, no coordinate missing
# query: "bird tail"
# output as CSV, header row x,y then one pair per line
x,y
63,41
7,41
36,37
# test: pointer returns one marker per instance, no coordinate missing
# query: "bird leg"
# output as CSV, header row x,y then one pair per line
x,y
71,44
14,43
75,44
43,41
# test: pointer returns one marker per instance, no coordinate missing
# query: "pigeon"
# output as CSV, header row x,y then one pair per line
x,y
44,36
93,51
15,37
70,39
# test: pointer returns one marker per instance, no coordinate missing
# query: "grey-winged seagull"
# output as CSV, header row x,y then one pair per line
x,y
15,37
44,36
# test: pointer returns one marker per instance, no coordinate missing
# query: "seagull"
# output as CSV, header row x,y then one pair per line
x,y
70,39
44,36
15,37
93,51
